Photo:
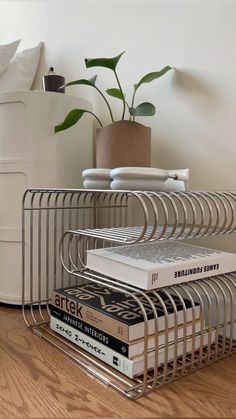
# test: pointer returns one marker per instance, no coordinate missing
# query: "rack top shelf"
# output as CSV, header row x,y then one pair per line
x,y
131,216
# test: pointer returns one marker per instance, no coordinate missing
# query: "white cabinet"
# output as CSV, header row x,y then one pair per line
x,y
31,156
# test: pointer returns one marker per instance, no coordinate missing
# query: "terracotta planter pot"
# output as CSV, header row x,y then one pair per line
x,y
123,143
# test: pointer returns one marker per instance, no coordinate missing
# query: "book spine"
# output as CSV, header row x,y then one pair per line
x,y
97,334
128,367
102,352
92,316
127,350
189,271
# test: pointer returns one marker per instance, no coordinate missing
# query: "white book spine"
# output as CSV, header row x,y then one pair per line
x,y
104,353
196,269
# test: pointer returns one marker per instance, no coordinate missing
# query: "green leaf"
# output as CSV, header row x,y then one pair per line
x,y
70,120
152,76
114,92
144,109
103,62
90,82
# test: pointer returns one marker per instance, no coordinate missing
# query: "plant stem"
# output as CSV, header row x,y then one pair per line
x,y
128,110
132,104
117,79
110,111
96,118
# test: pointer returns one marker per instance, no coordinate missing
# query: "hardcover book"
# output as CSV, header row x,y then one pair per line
x,y
119,314
130,367
129,350
159,264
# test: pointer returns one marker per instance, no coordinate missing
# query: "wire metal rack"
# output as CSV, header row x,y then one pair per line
x,y
76,220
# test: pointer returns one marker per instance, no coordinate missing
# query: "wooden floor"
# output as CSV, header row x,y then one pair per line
x,y
36,380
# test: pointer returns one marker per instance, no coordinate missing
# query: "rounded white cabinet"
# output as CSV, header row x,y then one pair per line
x,y
31,156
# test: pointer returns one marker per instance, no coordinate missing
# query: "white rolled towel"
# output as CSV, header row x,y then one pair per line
x,y
149,179
136,178
97,184
96,174
148,185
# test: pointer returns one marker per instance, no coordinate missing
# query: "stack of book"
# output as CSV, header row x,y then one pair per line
x,y
110,324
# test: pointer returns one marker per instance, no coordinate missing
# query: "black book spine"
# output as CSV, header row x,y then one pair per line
x,y
97,334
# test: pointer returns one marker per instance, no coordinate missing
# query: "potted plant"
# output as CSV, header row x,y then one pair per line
x,y
124,142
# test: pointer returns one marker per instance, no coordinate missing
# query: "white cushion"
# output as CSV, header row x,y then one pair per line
x,y
6,53
20,72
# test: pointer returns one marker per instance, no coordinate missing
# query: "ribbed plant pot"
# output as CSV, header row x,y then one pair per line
x,y
123,143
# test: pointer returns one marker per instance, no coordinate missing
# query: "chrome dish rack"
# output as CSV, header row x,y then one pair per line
x,y
60,225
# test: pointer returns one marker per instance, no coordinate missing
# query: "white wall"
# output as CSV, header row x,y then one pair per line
x,y
196,119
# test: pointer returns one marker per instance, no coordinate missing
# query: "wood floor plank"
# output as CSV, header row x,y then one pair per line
x,y
36,380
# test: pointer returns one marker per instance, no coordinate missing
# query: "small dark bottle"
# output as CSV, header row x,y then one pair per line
x,y
52,82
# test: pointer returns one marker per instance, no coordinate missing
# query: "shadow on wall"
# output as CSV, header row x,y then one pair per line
x,y
195,88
